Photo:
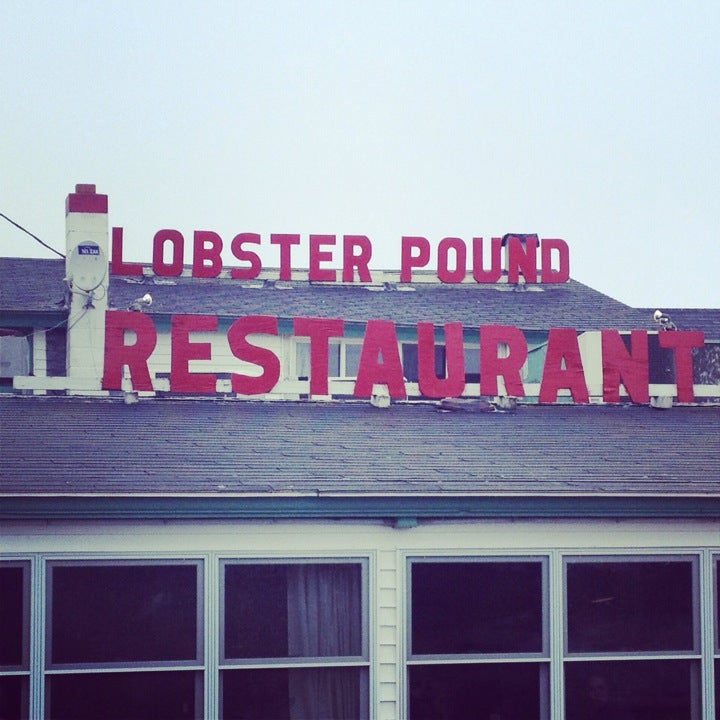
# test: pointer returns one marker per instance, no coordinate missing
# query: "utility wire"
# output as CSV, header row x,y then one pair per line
x,y
25,230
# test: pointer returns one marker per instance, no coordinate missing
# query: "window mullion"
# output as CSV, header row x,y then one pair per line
x,y
707,635
556,621
211,625
37,636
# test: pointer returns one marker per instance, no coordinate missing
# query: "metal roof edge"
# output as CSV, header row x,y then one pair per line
x,y
204,507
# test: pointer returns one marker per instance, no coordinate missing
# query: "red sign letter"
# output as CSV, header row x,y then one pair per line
x,y
682,341
249,256
618,365
409,260
492,366
380,340
562,274
175,266
430,384
522,258
444,273
117,265
495,272
359,261
317,256
182,350
243,350
135,356
319,330
285,242
563,367
207,246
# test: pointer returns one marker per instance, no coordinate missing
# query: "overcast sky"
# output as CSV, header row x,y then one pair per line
x,y
595,122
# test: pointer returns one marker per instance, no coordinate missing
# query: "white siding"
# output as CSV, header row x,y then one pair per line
x,y
385,548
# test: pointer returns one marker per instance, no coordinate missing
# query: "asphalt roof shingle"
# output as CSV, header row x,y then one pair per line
x,y
37,286
72,446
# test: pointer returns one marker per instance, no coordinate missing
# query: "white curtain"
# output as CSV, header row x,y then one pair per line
x,y
324,621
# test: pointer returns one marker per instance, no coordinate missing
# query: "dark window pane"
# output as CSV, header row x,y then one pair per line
x,y
630,690
56,350
124,613
123,696
12,615
472,365
476,607
13,697
661,361
717,606
298,610
294,693
475,692
629,606
410,361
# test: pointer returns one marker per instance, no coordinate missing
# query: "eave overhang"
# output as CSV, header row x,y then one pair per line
x,y
325,507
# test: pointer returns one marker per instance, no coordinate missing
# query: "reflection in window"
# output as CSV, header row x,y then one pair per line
x,y
477,607
123,696
13,697
630,606
484,691
480,610
14,640
275,611
139,614
129,613
13,615
631,690
311,692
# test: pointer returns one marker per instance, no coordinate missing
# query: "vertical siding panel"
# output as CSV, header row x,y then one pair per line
x,y
387,637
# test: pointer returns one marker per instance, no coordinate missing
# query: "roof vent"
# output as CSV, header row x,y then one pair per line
x,y
661,402
380,397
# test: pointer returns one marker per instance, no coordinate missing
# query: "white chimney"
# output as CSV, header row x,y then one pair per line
x,y
86,277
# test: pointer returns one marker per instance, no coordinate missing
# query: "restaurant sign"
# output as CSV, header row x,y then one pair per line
x,y
131,338
526,256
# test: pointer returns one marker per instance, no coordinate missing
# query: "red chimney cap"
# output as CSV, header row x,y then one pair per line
x,y
86,200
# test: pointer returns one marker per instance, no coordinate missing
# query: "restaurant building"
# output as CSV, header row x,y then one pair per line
x,y
484,491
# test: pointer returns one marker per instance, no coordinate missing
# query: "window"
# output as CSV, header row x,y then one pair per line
x,y
56,351
409,356
478,638
343,359
716,643
14,639
706,364
645,610
14,354
661,361
294,640
123,616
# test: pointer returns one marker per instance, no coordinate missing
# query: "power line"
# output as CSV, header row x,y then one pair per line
x,y
25,230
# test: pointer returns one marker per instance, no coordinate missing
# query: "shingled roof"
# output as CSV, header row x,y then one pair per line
x,y
73,446
37,286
